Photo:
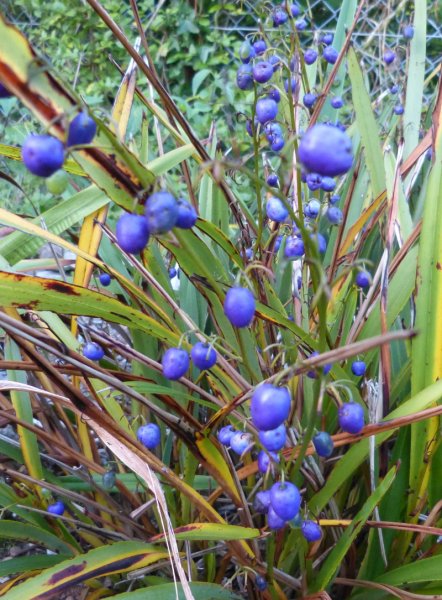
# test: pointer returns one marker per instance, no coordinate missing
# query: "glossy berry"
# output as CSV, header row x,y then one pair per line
x,y
363,279
277,144
266,110
358,368
172,272
326,150
323,444
330,54
260,47
161,212
313,209
279,17
175,363
337,102
301,24
225,434
273,130
272,180
309,99
187,215
239,306
262,71
311,531
270,406
265,460
244,77
325,368
57,508
276,210
335,198
274,521
132,233
394,89
261,583
285,499
408,32
294,248
334,215
4,93
327,39
328,184
295,11
105,279
246,52
273,439
351,417
149,435
93,351
398,109
274,94
389,57
313,181
57,183
310,56
261,502
42,155
203,355
82,130
240,442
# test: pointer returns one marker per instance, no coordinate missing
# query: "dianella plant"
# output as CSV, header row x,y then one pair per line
x,y
221,349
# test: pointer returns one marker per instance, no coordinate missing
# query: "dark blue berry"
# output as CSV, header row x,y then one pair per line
x,y
260,47
309,99
323,444
270,406
149,435
261,502
57,508
358,368
274,94
203,355
311,531
105,279
273,439
398,109
328,184
187,215
330,54
266,110
132,233
260,583
408,32
285,499
301,24
93,351
239,306
310,56
244,77
42,155
82,130
225,434
294,248
262,71
326,150
334,215
272,180
161,212
337,102
175,363
351,417
389,57
363,279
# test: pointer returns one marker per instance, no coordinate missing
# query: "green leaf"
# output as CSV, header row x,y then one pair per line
x,y
25,564
15,530
213,532
198,80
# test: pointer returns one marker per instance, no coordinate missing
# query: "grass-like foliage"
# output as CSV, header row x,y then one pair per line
x,y
140,455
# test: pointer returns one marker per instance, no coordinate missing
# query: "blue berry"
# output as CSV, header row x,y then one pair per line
x,y
274,94
187,215
225,434
105,279
277,144
275,61
394,89
274,521
325,368
335,198
175,363
327,39
42,155
321,241
398,109
265,460
309,99
261,502
279,17
239,306
273,130
244,77
311,531
203,355
337,102
266,110
358,368
295,11
172,272
240,442
260,583
132,233
57,508
334,215
313,181
273,439
326,150
363,279
276,210
246,52
294,248
328,184
301,24
310,56
82,130
262,71
277,244
270,406
313,209
351,417
93,351
249,253
161,212
330,54
389,57
408,32
323,444
272,180
149,435
290,84
260,47
285,499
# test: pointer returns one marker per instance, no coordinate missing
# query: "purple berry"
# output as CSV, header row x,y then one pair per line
x,y
260,583
266,110
358,368
149,435
262,71
326,150
309,99
239,306
225,434
57,508
246,52
335,198
261,502
328,184
244,77
260,47
82,130
363,279
351,417
276,210
323,444
311,531
105,279
175,363
4,92
270,406
291,85
277,144
274,94
301,24
273,130
398,109
295,11
279,17
272,180
203,355
266,459
161,212
172,272
337,102
334,215
93,351
277,244
310,56
327,39
313,181
42,154
285,500
330,54
321,241
408,32
273,439
313,208
132,233
240,442
275,61
294,247
187,215
273,520
389,57
394,89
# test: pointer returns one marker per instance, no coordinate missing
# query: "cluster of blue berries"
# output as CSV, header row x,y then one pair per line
x,y
390,57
